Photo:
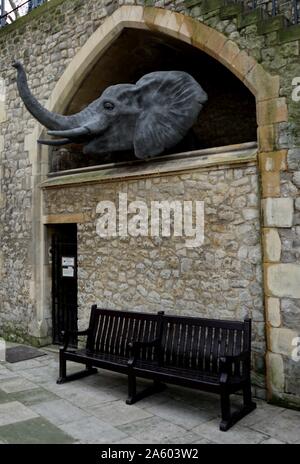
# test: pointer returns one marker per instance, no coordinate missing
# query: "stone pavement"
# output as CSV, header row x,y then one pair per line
x,y
34,409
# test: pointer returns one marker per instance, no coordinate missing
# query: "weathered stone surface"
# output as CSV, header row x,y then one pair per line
x,y
270,184
278,212
273,312
272,245
273,161
292,373
296,179
290,313
220,279
276,371
294,158
283,280
281,341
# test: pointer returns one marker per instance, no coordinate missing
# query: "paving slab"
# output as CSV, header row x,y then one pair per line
x,y
182,414
92,430
236,435
34,409
59,411
81,396
263,411
272,441
36,431
13,412
24,365
5,398
41,374
31,397
188,438
286,427
153,430
118,413
15,385
6,374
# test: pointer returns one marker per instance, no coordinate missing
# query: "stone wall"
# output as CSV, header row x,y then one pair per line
x,y
221,279
47,40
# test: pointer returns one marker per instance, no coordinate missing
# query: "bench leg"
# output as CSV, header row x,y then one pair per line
x,y
64,378
228,419
131,389
225,411
133,396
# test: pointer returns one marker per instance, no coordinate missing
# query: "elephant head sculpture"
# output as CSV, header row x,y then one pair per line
x,y
149,117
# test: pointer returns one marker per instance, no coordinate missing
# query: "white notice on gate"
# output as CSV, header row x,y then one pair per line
x,y
68,262
68,272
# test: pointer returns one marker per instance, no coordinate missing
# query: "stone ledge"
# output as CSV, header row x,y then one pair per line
x,y
212,158
251,17
289,34
79,218
212,5
273,24
231,10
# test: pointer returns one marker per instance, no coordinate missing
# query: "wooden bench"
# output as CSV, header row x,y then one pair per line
x,y
107,343
205,354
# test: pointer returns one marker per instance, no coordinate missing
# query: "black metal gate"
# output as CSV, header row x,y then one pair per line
x,y
64,282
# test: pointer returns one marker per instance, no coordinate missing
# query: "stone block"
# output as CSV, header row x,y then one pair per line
x,y
271,24
293,158
272,111
283,280
278,212
273,161
3,116
276,371
263,85
289,34
215,44
270,184
290,309
272,245
229,52
281,341
296,179
242,64
201,35
273,312
266,138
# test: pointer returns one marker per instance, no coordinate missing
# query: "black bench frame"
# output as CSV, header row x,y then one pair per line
x,y
226,384
137,360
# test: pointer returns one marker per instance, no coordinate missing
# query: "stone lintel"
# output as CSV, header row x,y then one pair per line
x,y
223,157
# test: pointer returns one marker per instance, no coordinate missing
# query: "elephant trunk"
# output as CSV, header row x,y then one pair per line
x,y
50,120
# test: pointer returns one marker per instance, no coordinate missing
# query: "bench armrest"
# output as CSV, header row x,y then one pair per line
x,y
135,346
67,333
227,361
243,356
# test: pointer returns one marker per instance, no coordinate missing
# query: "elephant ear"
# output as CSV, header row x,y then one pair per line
x,y
171,102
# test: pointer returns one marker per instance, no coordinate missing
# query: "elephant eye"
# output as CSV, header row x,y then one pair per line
x,y
109,106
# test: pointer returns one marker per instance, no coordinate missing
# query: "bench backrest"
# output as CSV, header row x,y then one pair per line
x,y
111,331
190,342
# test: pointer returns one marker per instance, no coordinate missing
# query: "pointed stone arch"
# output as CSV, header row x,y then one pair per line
x,y
264,86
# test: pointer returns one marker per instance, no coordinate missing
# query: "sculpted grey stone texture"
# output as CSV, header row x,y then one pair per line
x,y
149,117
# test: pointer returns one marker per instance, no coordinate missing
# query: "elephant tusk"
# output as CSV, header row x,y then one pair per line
x,y
72,133
55,143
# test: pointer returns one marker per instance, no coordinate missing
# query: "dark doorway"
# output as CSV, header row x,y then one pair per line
x,y
64,282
